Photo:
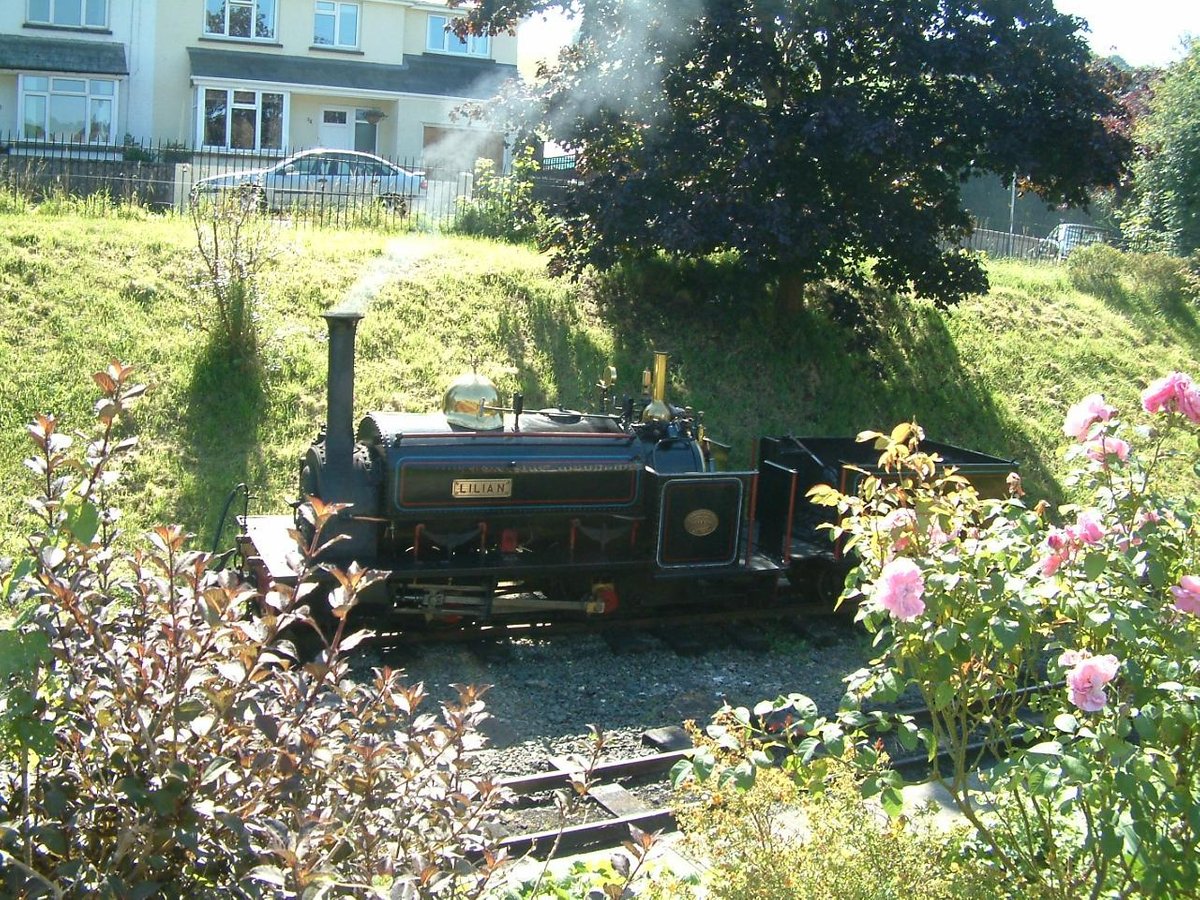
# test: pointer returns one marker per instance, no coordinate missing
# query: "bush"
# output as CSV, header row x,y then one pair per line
x,y
161,739
973,600
1096,269
501,206
803,830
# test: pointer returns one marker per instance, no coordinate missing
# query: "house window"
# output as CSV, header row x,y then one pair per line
x,y
79,110
253,19
336,24
77,13
441,40
243,120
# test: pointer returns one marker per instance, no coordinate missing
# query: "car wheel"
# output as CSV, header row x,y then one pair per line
x,y
252,197
395,203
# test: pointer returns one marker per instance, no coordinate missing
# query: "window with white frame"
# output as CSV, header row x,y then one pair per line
x,y
251,19
68,13
60,108
242,120
442,40
336,24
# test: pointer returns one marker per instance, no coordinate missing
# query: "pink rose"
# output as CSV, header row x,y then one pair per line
x,y
1187,594
1084,414
1101,448
1070,658
1087,678
899,518
1173,393
899,589
1145,517
1088,528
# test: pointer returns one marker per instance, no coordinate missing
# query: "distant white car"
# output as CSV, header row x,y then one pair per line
x,y
1068,237
318,177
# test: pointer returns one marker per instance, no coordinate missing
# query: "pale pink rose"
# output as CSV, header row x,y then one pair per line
x,y
899,589
1146,517
899,518
1052,564
1103,447
1087,679
1070,658
1189,403
1061,544
937,537
1088,528
1084,414
1173,393
1187,594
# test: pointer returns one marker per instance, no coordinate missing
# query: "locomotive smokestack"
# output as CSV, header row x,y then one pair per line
x,y
339,414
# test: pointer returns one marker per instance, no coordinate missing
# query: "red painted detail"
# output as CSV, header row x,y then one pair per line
x,y
417,541
483,537
607,595
574,532
508,540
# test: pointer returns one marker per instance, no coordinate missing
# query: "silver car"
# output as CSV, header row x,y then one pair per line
x,y
316,178
1067,237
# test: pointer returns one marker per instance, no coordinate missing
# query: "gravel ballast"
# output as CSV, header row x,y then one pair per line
x,y
546,691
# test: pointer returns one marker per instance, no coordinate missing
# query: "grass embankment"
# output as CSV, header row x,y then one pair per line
x,y
996,373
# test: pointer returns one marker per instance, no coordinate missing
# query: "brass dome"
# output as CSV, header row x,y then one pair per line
x,y
467,400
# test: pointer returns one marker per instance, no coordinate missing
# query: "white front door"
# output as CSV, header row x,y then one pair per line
x,y
337,131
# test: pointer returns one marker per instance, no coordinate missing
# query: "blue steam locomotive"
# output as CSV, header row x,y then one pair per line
x,y
485,512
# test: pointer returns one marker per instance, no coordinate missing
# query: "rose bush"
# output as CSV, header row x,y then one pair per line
x,y
976,602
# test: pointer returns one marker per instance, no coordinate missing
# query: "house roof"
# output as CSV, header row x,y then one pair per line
x,y
418,74
18,51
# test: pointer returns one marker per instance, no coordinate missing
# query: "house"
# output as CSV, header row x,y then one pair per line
x,y
248,77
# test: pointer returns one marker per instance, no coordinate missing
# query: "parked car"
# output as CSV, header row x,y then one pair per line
x,y
318,177
1068,237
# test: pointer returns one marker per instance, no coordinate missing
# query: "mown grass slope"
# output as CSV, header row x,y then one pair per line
x,y
996,373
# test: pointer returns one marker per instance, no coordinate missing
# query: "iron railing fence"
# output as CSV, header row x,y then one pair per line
x,y
169,175
1004,244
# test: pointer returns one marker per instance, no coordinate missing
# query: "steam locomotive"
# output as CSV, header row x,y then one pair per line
x,y
486,512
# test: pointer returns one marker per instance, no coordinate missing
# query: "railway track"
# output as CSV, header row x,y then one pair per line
x,y
667,624
613,807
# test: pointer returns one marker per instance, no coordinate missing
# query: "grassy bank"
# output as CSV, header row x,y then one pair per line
x,y
997,373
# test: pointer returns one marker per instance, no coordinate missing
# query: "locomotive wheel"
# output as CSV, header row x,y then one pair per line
x,y
822,580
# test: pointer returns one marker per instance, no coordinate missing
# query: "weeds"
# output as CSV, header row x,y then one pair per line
x,y
235,245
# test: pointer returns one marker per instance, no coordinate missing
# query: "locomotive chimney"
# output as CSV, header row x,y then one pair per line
x,y
339,413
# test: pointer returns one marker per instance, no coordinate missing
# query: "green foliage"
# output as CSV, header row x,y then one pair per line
x,y
99,205
1161,213
235,245
1097,794
501,206
814,138
803,830
181,749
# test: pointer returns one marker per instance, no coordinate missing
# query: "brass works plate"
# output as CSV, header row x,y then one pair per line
x,y
700,522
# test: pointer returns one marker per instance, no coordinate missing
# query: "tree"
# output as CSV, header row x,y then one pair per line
x,y
1164,213
814,137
